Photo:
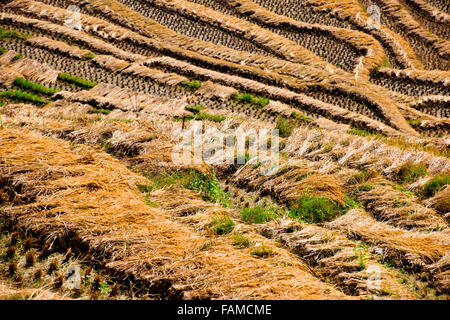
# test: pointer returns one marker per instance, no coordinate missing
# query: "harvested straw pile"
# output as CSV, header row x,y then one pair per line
x,y
435,76
62,47
8,292
407,23
412,250
271,70
441,202
362,152
360,41
171,79
286,48
84,199
284,95
24,68
213,90
334,256
441,273
91,42
350,10
286,186
111,63
397,208
110,97
145,144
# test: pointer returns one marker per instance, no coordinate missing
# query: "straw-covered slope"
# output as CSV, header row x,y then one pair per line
x,y
94,99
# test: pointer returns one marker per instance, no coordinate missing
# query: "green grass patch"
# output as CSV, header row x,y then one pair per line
x,y
414,122
2,50
150,203
262,251
89,56
34,87
21,96
211,117
314,209
199,116
195,108
84,83
205,183
385,63
327,147
362,255
221,225
191,85
362,176
399,203
301,117
260,214
411,172
17,57
99,111
436,184
360,132
208,186
260,102
120,120
240,241
12,34
364,187
402,189
285,126
247,98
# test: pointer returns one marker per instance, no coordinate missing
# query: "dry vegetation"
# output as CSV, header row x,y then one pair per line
x,y
358,209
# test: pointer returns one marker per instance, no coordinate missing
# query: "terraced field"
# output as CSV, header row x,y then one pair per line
x,y
94,99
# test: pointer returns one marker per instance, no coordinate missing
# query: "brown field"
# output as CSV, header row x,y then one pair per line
x,y
91,93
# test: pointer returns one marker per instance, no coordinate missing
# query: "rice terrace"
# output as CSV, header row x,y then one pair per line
x,y
225,149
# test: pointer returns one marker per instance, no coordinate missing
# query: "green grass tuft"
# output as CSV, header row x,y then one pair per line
x,y
260,102
22,97
259,214
84,83
411,172
247,98
414,122
314,209
284,126
301,117
359,132
436,184
221,225
240,241
10,34
385,63
191,85
400,188
205,183
364,187
17,57
195,108
99,111
210,117
89,56
34,87
262,251
208,186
